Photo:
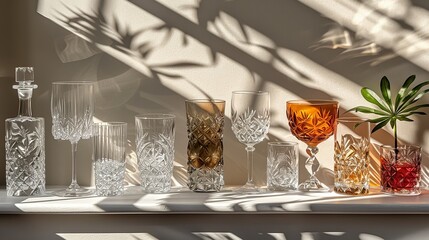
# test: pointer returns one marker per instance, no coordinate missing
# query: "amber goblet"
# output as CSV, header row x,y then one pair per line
x,y
312,122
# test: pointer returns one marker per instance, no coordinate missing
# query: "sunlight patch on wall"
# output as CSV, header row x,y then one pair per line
x,y
379,22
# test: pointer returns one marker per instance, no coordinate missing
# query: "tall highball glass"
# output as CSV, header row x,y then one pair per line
x,y
72,108
250,123
312,121
205,120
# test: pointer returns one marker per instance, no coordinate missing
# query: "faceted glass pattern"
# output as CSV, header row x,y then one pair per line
x,y
25,156
72,108
282,166
312,121
400,170
205,120
155,151
351,156
109,145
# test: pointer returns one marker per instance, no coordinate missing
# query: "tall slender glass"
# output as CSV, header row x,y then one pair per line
x,y
312,121
205,119
250,123
72,108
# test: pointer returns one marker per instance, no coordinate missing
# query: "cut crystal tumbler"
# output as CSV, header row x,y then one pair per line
x,y
109,144
400,169
282,166
155,151
351,156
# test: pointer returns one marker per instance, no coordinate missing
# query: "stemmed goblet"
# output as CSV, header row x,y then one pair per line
x,y
72,108
312,121
250,112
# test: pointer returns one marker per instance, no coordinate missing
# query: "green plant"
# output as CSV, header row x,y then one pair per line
x,y
389,110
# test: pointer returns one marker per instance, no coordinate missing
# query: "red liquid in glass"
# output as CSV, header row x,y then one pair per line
x,y
399,176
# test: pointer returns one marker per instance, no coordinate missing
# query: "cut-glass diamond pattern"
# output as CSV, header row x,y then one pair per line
x,y
351,167
25,157
205,152
156,162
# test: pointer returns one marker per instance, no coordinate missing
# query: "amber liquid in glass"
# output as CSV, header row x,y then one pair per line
x,y
312,122
205,120
351,156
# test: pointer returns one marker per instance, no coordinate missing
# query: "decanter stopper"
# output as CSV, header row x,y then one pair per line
x,y
24,76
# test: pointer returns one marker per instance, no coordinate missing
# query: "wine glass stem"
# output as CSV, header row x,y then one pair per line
x,y
312,164
74,184
250,150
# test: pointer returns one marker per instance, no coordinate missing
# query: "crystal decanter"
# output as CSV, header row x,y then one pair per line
x,y
25,142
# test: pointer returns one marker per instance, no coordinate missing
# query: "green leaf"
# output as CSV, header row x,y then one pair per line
x,y
412,113
385,91
405,119
411,95
420,95
373,98
350,110
380,125
392,122
377,120
411,109
364,109
404,88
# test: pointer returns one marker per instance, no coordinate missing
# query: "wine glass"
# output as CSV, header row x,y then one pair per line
x,y
312,121
250,112
72,107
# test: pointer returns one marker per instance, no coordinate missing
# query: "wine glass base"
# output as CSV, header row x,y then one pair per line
x,y
248,188
313,186
73,192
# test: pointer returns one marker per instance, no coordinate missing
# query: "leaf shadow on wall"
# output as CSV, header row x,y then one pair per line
x,y
150,88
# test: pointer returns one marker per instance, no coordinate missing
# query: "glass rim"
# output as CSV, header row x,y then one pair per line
x,y
72,82
251,92
155,116
110,124
205,100
312,101
283,143
403,146
351,119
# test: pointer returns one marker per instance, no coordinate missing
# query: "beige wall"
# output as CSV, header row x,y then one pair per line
x,y
159,53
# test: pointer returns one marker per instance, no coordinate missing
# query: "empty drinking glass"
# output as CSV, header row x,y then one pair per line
x,y
282,166
250,117
155,151
109,144
72,108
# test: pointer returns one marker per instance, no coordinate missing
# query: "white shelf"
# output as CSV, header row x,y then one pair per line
x,y
182,201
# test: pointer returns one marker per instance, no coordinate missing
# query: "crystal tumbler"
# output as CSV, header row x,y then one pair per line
x,y
282,166
351,156
400,169
155,151
109,144
205,120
